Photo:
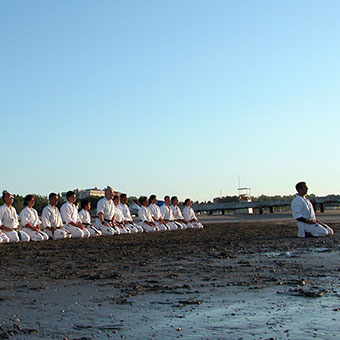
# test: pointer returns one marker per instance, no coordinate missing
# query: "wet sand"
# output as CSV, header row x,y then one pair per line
x,y
240,280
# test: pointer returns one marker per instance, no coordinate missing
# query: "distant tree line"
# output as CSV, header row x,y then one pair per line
x,y
18,204
278,197
261,198
42,201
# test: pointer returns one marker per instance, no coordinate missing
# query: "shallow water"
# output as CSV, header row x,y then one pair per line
x,y
222,314
94,310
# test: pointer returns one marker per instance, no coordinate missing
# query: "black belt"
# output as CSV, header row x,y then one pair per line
x,y
108,221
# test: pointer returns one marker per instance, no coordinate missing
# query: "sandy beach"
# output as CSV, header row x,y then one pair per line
x,y
241,280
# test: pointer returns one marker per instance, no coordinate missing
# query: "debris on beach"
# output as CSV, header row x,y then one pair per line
x,y
182,303
305,293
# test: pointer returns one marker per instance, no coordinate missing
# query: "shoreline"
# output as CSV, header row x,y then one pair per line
x,y
145,286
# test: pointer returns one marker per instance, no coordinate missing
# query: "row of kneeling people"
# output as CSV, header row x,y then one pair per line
x,y
113,217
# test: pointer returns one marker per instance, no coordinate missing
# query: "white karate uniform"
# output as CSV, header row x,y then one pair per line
x,y
85,218
156,213
178,216
302,207
51,218
30,216
107,208
9,219
168,215
119,218
69,213
3,237
134,227
144,214
189,214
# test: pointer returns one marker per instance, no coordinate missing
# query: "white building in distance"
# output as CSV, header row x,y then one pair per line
x,y
84,193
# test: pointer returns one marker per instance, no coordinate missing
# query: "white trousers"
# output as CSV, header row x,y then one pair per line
x,y
172,226
93,231
14,236
181,225
58,234
161,226
4,238
137,227
134,228
35,236
106,230
316,230
77,232
122,230
148,228
196,225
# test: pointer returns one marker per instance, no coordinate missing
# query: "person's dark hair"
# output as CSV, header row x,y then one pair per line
x,y
142,199
123,196
173,198
27,199
165,197
152,197
300,186
52,195
84,203
115,197
70,194
187,200
4,194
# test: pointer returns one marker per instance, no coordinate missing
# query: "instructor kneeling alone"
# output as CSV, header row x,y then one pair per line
x,y
303,212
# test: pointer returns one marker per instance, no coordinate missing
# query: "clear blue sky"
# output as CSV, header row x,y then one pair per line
x,y
170,97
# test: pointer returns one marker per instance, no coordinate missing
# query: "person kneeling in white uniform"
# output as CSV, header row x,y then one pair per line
x,y
145,216
157,215
119,218
129,224
51,220
30,222
9,222
3,237
168,215
189,214
303,212
106,213
178,214
70,216
85,218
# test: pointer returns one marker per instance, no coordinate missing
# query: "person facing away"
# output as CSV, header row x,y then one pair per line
x,y
85,218
303,212
9,223
70,217
30,221
51,219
